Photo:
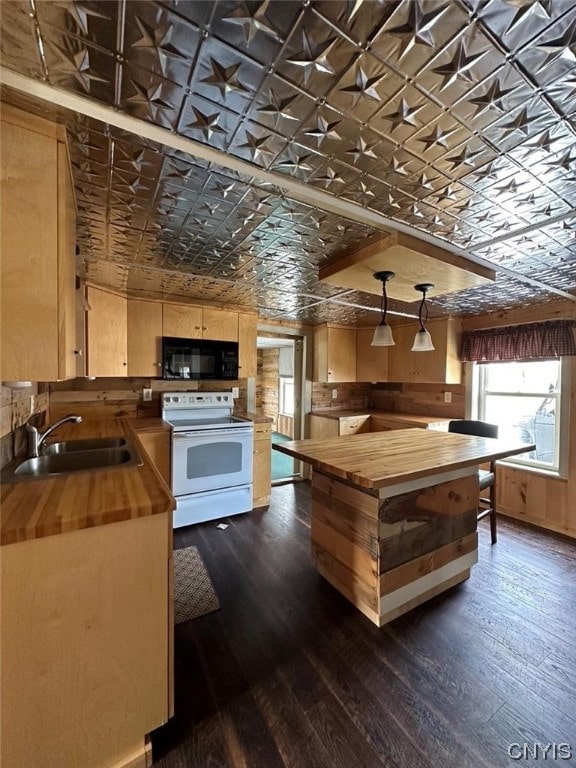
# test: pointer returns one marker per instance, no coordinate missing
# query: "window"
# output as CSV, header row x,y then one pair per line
x,y
525,400
286,396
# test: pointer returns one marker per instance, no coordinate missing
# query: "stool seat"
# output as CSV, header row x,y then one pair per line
x,y
486,480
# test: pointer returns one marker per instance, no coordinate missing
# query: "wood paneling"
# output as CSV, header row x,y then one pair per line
x,y
421,399
349,396
144,338
106,333
85,645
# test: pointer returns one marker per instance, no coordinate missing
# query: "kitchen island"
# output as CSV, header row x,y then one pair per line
x,y
394,514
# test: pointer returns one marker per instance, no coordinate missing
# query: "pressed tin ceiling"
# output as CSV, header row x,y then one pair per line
x,y
327,122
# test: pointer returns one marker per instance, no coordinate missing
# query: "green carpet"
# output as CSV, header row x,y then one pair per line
x,y
282,465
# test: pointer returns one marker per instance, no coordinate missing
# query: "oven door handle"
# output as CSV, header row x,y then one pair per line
x,y
212,433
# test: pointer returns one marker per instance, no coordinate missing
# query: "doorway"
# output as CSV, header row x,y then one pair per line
x,y
278,388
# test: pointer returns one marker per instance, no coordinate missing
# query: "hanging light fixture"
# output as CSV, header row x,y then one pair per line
x,y
422,339
383,333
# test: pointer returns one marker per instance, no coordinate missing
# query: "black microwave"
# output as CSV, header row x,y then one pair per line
x,y
185,359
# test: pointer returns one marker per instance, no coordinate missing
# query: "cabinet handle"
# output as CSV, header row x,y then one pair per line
x,y
78,352
124,363
204,327
196,327
159,365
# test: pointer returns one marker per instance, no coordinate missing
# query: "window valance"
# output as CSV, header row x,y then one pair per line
x,y
520,342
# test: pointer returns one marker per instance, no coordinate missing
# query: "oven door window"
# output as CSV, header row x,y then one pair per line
x,y
206,462
216,458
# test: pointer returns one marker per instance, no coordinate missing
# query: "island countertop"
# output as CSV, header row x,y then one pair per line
x,y
379,459
38,507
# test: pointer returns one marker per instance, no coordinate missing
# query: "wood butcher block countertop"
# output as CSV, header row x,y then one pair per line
x,y
379,459
38,507
401,418
257,418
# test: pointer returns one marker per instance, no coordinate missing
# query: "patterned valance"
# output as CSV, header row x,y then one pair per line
x,y
520,342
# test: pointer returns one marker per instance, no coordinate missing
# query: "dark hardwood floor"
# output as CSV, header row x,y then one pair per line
x,y
288,673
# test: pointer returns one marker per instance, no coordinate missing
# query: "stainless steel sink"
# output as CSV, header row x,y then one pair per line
x,y
71,446
72,461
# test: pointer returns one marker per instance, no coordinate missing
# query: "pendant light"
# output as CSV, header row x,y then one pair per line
x,y
383,333
422,339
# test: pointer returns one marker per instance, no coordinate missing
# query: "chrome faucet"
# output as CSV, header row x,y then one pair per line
x,y
35,439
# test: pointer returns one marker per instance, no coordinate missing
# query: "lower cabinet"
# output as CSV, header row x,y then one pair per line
x,y
85,633
320,426
157,446
262,465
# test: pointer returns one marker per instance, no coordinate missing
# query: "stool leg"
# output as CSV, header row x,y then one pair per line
x,y
493,513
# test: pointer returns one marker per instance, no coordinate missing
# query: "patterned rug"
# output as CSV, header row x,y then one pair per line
x,y
194,593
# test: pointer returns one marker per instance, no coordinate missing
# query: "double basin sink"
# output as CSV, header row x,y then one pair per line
x,y
71,456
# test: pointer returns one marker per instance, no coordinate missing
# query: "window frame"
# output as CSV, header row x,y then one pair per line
x,y
474,410
283,380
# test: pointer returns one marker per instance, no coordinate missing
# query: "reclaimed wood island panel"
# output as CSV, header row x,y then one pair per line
x,y
394,514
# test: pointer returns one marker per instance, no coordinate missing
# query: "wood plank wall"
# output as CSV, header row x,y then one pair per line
x,y
114,397
268,379
421,399
351,396
16,407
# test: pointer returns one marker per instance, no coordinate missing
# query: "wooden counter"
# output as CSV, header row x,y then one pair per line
x,y
394,513
39,507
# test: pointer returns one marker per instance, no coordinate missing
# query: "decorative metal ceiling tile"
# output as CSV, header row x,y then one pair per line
x,y
455,118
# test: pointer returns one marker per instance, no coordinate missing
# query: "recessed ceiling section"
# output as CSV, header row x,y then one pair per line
x,y
413,261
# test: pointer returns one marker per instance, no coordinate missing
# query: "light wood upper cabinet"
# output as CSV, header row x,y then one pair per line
x,y
247,333
219,325
106,334
371,362
191,322
38,337
334,354
441,366
144,338
182,320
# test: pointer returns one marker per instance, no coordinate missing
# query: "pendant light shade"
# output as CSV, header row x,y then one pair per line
x,y
383,333
422,339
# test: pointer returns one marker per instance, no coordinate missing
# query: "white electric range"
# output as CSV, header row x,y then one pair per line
x,y
211,456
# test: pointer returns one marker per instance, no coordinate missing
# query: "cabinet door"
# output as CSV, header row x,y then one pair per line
x,y
29,324
181,320
441,366
106,333
400,357
157,446
371,362
247,345
219,325
144,338
341,354
66,267
354,425
261,465
323,427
